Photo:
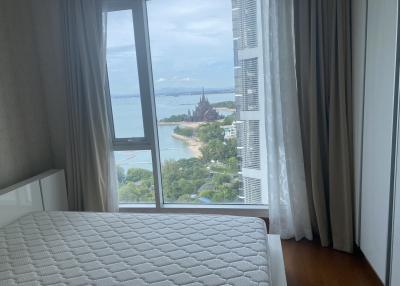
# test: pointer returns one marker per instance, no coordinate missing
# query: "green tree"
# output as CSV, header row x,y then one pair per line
x,y
133,192
138,174
225,193
183,177
224,104
213,150
219,150
186,198
121,175
210,131
184,131
176,118
221,194
228,120
233,164
220,179
230,148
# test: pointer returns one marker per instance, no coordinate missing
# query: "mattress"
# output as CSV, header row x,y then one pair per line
x,y
72,248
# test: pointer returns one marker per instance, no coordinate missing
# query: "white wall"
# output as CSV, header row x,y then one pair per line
x,y
359,9
24,136
378,116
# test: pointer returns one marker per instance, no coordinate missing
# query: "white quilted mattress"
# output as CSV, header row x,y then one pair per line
x,y
67,248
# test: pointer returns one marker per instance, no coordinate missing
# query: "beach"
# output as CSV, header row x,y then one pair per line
x,y
193,144
224,110
171,148
187,124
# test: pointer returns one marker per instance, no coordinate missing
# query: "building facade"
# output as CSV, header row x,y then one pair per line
x,y
250,99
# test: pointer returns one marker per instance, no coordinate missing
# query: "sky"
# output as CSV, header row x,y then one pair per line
x,y
191,46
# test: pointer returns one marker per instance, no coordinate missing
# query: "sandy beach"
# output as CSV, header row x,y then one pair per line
x,y
188,124
224,109
193,144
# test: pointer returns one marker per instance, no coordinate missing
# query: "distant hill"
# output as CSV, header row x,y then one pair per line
x,y
224,104
179,92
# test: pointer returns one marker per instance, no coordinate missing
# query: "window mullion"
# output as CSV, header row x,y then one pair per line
x,y
147,92
109,110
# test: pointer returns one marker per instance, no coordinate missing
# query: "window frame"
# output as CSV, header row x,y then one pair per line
x,y
150,141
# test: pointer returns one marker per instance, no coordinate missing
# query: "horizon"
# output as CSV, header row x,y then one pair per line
x,y
191,47
188,92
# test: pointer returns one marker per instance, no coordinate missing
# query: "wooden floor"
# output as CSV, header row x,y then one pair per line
x,y
309,264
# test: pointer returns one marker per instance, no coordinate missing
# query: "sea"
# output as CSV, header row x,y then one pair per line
x,y
127,116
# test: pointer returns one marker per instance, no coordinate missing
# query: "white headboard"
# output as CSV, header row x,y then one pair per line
x,y
46,191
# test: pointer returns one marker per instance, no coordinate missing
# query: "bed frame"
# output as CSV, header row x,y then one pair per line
x,y
277,264
47,191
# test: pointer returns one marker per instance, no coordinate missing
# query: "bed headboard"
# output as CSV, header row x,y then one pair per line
x,y
46,191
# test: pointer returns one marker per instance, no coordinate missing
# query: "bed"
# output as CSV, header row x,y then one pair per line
x,y
83,248
69,248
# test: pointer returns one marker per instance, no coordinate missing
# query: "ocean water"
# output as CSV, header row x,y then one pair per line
x,y
128,122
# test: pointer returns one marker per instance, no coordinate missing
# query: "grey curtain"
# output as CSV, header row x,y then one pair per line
x,y
323,52
90,177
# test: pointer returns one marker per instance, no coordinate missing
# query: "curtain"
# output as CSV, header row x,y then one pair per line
x,y
288,206
91,180
324,80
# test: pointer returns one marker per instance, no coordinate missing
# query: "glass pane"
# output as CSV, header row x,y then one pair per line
x,y
194,63
123,75
135,177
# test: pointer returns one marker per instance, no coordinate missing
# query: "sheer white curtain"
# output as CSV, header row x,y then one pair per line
x,y
288,206
90,173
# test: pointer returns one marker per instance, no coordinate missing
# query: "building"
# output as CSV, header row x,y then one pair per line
x,y
250,99
229,131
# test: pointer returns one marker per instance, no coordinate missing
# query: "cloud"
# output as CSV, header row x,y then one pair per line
x,y
191,43
119,29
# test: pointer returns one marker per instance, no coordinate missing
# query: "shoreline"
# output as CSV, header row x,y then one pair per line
x,y
193,144
188,124
224,109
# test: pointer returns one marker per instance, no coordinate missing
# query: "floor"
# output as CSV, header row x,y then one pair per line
x,y
309,264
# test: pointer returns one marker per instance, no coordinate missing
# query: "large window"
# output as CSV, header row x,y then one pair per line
x,y
185,100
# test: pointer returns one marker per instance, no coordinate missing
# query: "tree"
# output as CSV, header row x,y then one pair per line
x,y
209,131
133,192
176,118
137,174
220,179
221,194
230,148
184,131
183,177
186,198
233,164
225,104
121,175
218,150
225,194
228,120
214,150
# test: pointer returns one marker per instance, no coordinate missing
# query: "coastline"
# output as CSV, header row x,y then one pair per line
x,y
187,124
224,109
193,144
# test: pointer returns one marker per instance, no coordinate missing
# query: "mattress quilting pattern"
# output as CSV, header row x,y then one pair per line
x,y
72,248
